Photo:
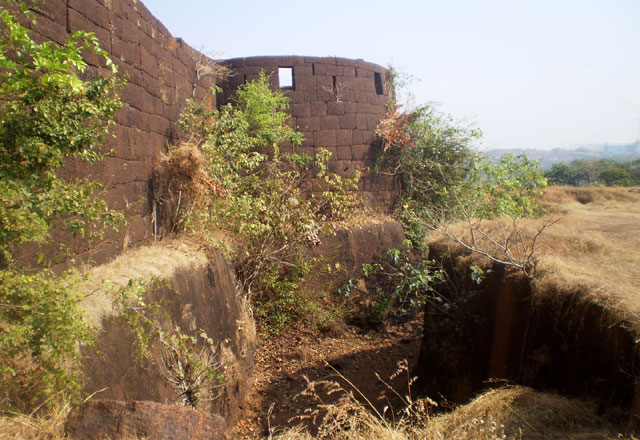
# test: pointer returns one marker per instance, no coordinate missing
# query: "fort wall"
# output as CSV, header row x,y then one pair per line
x,y
335,102
160,71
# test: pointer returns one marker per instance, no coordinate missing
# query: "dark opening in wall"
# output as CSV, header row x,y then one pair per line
x,y
378,80
313,68
285,78
244,78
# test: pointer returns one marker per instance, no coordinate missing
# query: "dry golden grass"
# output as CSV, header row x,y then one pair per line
x,y
594,246
31,427
160,260
505,413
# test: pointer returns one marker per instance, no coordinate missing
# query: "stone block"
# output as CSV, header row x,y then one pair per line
x,y
324,81
55,10
361,152
349,71
362,136
361,121
367,109
128,52
303,70
119,420
53,30
309,124
301,110
344,137
335,108
365,72
319,108
348,121
96,12
372,98
350,107
304,82
348,62
373,121
309,95
308,140
148,62
330,122
361,97
319,68
325,138
344,153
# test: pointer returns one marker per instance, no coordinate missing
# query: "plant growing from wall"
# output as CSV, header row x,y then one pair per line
x,y
399,286
52,109
189,363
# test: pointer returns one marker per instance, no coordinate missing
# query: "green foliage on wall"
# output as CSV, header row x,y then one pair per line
x,y
52,109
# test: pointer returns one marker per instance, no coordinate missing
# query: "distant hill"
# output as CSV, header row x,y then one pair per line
x,y
621,152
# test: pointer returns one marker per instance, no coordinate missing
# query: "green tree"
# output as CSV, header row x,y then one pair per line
x,y
445,183
51,110
561,174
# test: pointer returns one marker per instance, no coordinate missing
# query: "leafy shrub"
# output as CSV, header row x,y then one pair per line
x,y
397,287
49,114
445,184
41,326
51,110
257,192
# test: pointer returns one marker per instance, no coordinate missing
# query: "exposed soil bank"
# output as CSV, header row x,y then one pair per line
x,y
553,340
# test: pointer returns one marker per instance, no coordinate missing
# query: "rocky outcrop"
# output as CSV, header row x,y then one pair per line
x,y
115,420
362,243
198,292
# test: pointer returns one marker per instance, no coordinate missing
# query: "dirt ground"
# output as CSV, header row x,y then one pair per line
x,y
283,362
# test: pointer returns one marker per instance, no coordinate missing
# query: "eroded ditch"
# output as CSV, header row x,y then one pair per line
x,y
561,341
506,332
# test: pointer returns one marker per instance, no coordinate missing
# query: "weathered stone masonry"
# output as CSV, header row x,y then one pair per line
x,y
161,74
336,103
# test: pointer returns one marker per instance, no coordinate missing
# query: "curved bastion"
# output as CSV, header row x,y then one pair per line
x,y
336,103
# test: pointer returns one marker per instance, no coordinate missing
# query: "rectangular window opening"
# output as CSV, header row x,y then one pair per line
x,y
313,68
378,80
285,78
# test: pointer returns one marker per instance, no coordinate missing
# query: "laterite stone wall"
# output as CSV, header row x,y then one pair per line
x,y
161,74
336,103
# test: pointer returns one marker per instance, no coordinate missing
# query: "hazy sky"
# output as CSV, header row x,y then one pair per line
x,y
542,74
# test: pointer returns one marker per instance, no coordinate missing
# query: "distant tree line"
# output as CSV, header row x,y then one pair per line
x,y
608,172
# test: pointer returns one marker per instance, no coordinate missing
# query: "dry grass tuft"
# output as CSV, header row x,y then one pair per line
x,y
34,427
520,413
500,414
180,184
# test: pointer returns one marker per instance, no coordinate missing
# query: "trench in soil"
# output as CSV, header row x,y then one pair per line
x,y
554,341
